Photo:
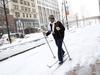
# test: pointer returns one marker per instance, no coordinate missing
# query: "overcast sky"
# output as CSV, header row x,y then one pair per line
x,y
83,7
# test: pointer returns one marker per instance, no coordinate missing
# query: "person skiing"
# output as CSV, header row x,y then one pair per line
x,y
57,29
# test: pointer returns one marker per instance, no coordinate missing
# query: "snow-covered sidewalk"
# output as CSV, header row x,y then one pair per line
x,y
83,45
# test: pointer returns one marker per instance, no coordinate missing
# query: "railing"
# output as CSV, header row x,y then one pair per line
x,y
83,22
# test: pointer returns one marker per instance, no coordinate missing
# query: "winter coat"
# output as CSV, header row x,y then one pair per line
x,y
57,34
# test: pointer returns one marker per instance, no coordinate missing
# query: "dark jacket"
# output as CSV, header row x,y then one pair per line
x,y
57,34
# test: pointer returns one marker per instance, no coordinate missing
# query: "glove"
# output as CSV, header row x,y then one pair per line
x,y
58,28
44,33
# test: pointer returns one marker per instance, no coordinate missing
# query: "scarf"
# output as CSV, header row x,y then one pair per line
x,y
52,26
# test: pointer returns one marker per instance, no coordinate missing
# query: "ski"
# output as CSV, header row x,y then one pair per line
x,y
59,65
50,66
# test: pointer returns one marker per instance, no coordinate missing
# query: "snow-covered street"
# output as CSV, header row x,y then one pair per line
x,y
83,45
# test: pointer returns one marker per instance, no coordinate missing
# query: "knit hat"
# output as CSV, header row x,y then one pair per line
x,y
51,17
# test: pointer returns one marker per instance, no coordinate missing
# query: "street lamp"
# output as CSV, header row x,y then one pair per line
x,y
66,13
6,21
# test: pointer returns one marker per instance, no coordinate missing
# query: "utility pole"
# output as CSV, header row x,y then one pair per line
x,y
66,13
76,20
99,6
6,21
62,14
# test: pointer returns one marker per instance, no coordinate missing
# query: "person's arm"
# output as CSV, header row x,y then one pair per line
x,y
48,33
60,26
49,30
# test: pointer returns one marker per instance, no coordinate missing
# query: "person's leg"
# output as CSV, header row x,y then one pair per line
x,y
63,52
60,50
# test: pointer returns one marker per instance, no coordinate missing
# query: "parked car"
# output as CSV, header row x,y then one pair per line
x,y
5,38
19,35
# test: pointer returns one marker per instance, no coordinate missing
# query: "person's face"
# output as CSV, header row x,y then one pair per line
x,y
51,20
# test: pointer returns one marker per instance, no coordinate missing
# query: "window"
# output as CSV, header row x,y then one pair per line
x,y
33,10
21,1
25,3
28,3
33,5
30,15
22,8
26,15
16,7
25,8
17,14
35,16
16,1
23,15
29,10
32,0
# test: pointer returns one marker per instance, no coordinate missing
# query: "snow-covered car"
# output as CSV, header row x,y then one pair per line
x,y
1,41
5,38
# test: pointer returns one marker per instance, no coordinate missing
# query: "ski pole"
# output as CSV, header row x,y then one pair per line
x,y
65,47
49,46
67,51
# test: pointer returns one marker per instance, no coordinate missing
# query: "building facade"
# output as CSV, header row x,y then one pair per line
x,y
3,27
11,21
1,13
32,13
46,8
24,12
